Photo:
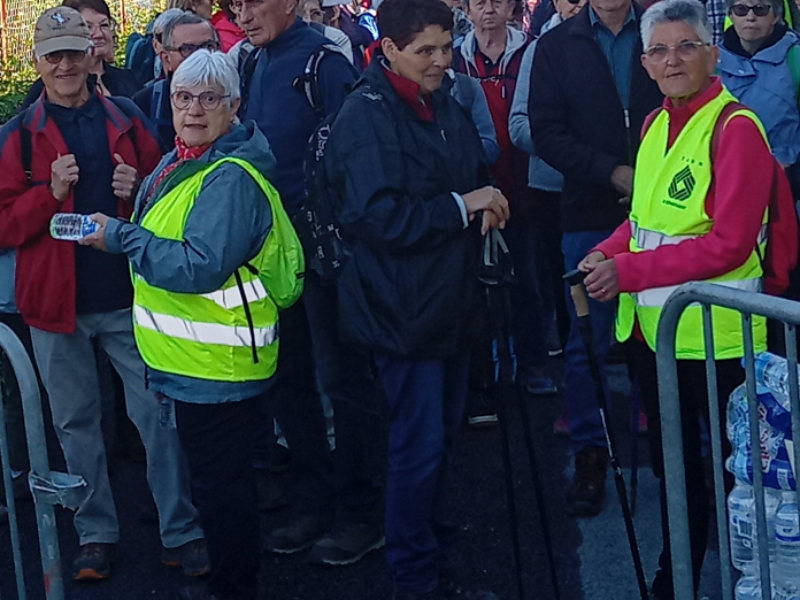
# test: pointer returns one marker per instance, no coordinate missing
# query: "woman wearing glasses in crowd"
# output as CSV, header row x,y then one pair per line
x,y
760,64
112,81
205,248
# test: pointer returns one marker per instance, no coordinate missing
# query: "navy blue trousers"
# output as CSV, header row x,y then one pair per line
x,y
426,405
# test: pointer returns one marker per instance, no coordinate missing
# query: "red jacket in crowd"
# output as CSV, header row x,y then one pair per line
x,y
45,276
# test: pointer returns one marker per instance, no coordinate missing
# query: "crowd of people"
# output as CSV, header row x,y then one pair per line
x,y
646,146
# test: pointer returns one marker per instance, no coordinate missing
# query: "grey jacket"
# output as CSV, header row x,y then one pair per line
x,y
541,176
468,92
225,228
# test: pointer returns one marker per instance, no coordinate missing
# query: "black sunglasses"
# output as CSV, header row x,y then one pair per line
x,y
759,10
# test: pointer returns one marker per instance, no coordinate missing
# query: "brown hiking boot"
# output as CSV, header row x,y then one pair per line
x,y
94,561
585,497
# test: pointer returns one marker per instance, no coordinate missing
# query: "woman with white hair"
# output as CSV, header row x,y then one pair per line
x,y
213,258
704,179
759,63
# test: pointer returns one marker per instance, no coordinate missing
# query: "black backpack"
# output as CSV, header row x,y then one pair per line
x,y
316,222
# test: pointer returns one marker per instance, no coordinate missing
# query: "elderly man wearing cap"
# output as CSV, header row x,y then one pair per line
x,y
76,151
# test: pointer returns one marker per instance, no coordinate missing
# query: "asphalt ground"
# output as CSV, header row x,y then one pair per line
x,y
592,556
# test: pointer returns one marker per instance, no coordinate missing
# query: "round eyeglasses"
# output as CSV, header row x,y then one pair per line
x,y
182,100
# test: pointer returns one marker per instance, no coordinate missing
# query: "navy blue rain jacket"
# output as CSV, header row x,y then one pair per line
x,y
410,287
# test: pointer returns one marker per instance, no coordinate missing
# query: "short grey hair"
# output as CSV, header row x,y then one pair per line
x,y
777,6
164,20
691,12
208,68
187,18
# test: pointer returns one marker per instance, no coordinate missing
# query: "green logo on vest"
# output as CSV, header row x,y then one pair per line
x,y
682,185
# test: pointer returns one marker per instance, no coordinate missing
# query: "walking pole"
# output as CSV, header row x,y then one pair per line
x,y
578,292
498,304
634,442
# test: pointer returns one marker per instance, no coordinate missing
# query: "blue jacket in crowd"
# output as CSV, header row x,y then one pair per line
x,y
282,112
226,227
8,265
541,176
410,287
764,83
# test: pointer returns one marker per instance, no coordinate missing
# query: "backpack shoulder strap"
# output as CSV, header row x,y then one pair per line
x,y
26,151
308,83
722,121
248,57
793,60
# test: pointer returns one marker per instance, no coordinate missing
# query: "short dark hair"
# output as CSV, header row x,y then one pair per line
x,y
99,6
187,18
402,20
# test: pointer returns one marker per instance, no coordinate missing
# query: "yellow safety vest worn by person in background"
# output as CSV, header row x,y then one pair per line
x,y
668,207
230,334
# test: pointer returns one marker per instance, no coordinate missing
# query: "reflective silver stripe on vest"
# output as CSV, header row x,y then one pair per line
x,y
205,333
657,297
231,297
650,240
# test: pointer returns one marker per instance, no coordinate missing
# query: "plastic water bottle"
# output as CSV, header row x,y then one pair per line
x,y
787,534
772,501
748,588
773,372
71,226
741,527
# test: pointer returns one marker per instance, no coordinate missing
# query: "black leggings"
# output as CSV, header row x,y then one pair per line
x,y
693,396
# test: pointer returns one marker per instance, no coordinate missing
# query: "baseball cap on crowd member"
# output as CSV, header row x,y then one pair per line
x,y
60,29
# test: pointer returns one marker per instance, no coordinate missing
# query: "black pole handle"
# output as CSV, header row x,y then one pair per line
x,y
575,280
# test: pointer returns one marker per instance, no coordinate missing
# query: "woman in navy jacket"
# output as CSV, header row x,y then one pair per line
x,y
408,168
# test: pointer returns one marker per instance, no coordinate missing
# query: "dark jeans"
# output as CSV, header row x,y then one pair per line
x,y
217,440
310,350
12,399
426,404
528,327
550,260
586,429
692,392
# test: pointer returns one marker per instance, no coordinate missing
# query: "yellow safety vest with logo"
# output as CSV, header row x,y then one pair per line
x,y
668,207
230,334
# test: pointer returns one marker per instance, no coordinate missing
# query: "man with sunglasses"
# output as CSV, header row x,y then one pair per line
x,y
75,150
589,96
181,38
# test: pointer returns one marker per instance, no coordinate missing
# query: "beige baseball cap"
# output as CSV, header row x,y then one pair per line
x,y
61,28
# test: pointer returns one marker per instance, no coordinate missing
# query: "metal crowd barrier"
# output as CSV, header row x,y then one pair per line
x,y
749,304
48,488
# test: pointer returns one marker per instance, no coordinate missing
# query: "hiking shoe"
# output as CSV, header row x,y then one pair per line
x,y
481,411
195,592
540,386
588,491
192,557
303,534
346,543
94,561
452,588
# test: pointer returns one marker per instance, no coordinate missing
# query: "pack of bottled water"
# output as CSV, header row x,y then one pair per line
x,y
71,226
776,461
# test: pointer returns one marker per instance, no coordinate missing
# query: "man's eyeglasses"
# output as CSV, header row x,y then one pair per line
x,y
186,50
182,100
759,10
73,56
686,50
